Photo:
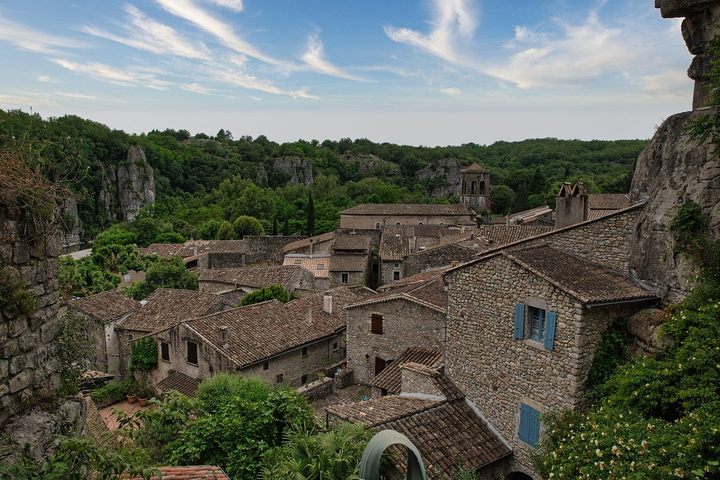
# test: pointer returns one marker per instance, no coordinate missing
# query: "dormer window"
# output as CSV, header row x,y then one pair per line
x,y
298,262
321,266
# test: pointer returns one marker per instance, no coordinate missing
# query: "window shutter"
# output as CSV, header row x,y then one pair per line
x,y
550,320
529,425
519,320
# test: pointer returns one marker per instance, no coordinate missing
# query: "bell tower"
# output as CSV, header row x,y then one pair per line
x,y
475,187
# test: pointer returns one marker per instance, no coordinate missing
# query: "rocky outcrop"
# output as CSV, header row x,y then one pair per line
x,y
447,171
371,165
72,230
700,26
128,187
670,171
647,338
298,169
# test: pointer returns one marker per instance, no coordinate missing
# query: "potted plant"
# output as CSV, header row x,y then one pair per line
x,y
129,387
144,392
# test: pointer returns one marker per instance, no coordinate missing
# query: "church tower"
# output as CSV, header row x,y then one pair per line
x,y
475,187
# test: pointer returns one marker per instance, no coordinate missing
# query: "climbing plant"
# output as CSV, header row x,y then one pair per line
x,y
144,354
74,352
14,296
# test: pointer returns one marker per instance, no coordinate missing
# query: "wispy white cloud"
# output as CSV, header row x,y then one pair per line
x,y
33,40
117,76
315,57
670,84
223,32
144,33
257,99
453,20
234,5
46,79
15,101
244,80
79,96
195,88
453,92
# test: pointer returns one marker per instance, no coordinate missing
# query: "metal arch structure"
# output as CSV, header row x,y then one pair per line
x,y
370,463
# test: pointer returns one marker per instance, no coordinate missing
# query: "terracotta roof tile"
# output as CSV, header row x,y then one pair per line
x,y
378,411
587,281
105,306
352,242
269,328
180,382
166,307
608,201
319,266
505,234
255,277
390,379
414,280
348,263
305,242
191,472
408,209
431,293
475,168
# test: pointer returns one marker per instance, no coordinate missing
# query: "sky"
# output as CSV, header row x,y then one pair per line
x,y
416,72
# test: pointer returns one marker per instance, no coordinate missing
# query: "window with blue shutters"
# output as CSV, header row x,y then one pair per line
x,y
529,425
535,324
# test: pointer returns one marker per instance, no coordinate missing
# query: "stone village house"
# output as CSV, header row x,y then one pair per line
x,y
234,283
283,344
370,216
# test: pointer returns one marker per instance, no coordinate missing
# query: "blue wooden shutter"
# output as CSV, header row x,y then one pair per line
x,y
550,320
529,425
519,320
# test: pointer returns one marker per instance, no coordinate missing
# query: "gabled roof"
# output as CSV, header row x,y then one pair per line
x,y
255,277
181,383
408,209
569,190
608,201
430,294
378,411
352,242
318,265
305,242
505,234
390,379
105,306
166,307
475,168
528,216
587,281
348,263
267,329
413,281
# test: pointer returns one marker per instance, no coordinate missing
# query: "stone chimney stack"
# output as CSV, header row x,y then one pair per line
x,y
328,304
224,336
453,264
308,318
571,205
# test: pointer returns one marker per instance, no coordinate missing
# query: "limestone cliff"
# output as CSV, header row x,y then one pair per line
x,y
447,176
128,186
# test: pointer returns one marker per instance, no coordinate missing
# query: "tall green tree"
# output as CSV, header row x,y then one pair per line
x,y
245,225
311,216
164,273
501,198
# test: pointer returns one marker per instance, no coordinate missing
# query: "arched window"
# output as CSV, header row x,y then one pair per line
x,y
464,186
377,226
482,188
473,186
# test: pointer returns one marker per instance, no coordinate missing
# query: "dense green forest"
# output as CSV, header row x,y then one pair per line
x,y
202,181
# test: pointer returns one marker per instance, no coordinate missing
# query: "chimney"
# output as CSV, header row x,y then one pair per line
x,y
453,264
328,304
311,247
308,319
224,336
571,205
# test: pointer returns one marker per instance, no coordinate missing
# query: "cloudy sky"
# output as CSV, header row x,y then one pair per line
x,y
419,72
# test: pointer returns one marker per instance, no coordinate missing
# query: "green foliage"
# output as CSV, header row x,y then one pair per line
x,y
112,391
707,128
164,273
610,353
688,226
74,351
14,296
264,294
501,199
226,231
209,230
312,455
170,237
83,277
311,216
245,225
144,354
114,235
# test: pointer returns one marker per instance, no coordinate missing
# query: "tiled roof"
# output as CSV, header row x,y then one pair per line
x,y
390,379
194,248
193,472
352,242
180,382
310,263
408,209
96,427
162,249
413,281
594,214
586,281
305,242
504,234
378,411
528,216
348,263
450,438
475,168
608,201
393,245
269,328
431,294
252,276
166,307
105,306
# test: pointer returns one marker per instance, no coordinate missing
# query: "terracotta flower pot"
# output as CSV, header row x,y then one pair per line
x,y
131,398
142,401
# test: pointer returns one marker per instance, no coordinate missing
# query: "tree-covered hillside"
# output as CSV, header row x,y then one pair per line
x,y
201,178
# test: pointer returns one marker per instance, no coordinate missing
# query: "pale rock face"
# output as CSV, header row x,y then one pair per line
x,y
448,170
299,170
131,185
670,171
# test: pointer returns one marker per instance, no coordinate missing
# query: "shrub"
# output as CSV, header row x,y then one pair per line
x,y
144,354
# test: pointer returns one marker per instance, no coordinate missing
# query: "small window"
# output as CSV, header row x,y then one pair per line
x,y
165,351
266,365
298,262
397,223
130,337
376,324
192,353
420,223
396,265
377,226
537,323
321,266
335,347
304,351
344,278
303,380
529,431
396,276
279,378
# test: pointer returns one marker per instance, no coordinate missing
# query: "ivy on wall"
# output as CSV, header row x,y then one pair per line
x,y
144,354
13,295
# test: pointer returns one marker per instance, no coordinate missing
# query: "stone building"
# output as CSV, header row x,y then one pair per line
x,y
280,343
372,216
389,381
407,314
475,187
571,205
318,265
103,313
234,283
523,326
163,308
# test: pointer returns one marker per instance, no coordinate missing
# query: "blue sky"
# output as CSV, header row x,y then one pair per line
x,y
429,72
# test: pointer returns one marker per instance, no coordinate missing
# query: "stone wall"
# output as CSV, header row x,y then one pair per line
x,y
496,371
405,324
29,363
437,257
318,389
266,249
369,222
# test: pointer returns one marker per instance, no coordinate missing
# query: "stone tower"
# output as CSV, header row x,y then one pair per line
x,y
475,187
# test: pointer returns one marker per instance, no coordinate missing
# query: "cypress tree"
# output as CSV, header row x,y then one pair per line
x,y
286,227
275,226
311,217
